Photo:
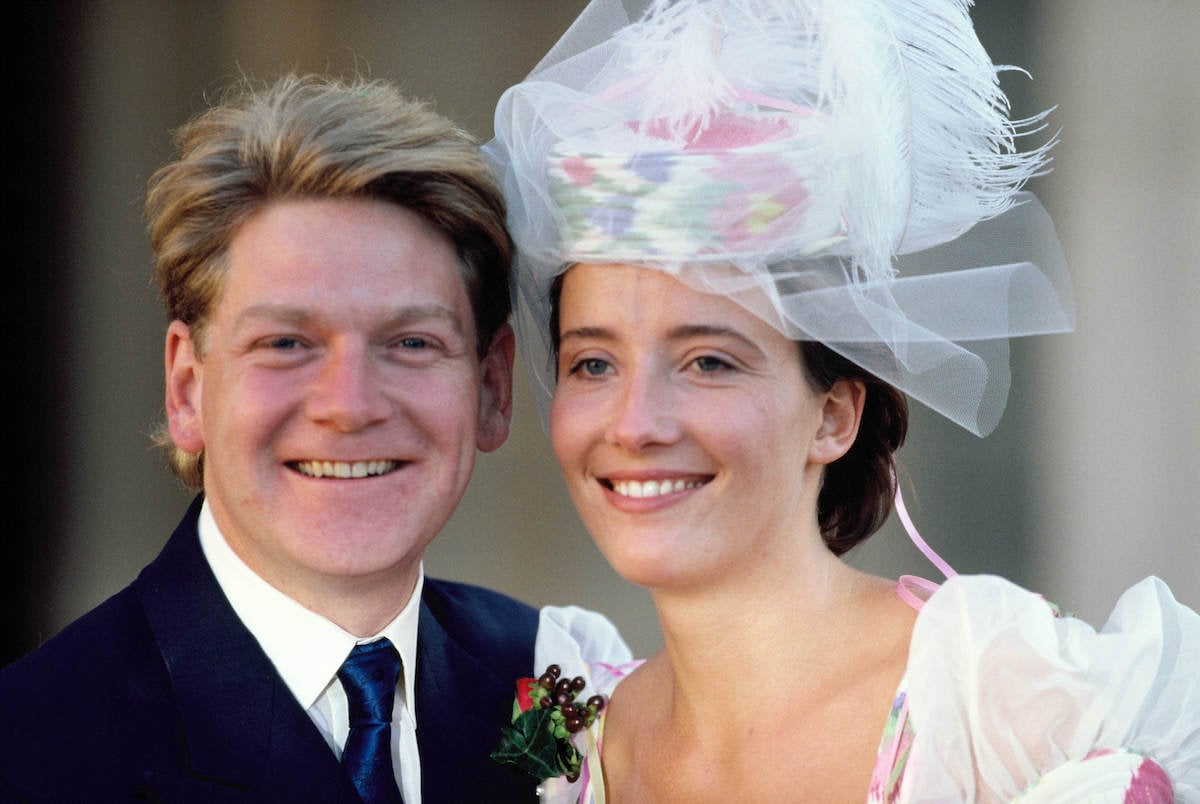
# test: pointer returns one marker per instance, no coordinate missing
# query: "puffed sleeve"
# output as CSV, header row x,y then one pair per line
x,y
575,639
1011,702
586,644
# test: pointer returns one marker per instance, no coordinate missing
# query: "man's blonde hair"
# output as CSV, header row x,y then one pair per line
x,y
316,137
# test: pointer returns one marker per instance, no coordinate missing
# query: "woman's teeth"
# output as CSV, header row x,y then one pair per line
x,y
652,488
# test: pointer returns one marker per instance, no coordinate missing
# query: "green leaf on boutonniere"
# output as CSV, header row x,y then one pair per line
x,y
546,714
530,744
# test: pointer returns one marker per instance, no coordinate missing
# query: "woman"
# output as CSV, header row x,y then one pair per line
x,y
708,206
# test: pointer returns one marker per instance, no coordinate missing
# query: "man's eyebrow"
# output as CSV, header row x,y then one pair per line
x,y
427,312
298,315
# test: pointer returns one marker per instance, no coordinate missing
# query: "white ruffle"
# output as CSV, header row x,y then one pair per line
x,y
575,639
1001,692
582,643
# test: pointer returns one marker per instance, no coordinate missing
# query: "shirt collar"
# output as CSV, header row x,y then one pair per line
x,y
305,648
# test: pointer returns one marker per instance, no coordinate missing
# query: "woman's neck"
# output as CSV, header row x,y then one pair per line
x,y
772,685
792,626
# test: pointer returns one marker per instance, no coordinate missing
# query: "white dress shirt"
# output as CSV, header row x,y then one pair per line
x,y
307,651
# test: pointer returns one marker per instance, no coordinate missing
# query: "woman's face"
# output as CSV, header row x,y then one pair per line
x,y
691,441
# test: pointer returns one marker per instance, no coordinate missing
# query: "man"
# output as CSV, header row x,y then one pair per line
x,y
334,262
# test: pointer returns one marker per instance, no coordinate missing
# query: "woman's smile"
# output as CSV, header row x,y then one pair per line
x,y
639,489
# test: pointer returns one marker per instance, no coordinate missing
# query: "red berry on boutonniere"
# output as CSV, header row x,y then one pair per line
x,y
546,714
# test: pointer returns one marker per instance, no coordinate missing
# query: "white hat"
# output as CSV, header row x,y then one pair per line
x,y
826,163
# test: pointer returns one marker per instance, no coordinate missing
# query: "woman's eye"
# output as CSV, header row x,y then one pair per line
x,y
709,364
591,366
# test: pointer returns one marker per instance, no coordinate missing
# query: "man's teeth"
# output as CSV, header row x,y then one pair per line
x,y
652,488
345,468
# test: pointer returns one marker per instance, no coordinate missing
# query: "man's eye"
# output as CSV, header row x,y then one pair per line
x,y
414,342
283,342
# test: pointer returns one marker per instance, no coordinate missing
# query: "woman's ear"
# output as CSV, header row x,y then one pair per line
x,y
184,385
841,414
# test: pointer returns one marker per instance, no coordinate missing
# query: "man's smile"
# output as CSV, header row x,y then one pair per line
x,y
345,469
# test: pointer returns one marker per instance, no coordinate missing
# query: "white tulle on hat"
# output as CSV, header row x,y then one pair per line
x,y
846,169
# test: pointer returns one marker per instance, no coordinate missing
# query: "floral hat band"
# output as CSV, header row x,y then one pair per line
x,y
708,198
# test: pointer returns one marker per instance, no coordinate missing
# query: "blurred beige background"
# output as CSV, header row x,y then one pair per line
x,y
1089,484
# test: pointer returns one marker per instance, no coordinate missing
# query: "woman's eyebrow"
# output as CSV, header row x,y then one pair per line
x,y
593,333
682,332
688,331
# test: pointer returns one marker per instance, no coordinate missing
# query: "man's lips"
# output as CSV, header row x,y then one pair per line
x,y
345,469
657,487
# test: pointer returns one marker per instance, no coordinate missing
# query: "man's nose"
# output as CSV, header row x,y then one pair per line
x,y
348,392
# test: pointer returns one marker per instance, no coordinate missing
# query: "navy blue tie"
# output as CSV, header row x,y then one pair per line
x,y
369,675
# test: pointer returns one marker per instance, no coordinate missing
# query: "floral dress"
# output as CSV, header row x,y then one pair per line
x,y
1003,699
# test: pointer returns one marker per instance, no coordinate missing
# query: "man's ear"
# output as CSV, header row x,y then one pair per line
x,y
496,393
184,384
841,414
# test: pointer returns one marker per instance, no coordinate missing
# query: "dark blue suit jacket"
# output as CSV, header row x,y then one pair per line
x,y
161,694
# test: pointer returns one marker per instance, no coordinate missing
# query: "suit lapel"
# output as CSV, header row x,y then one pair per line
x,y
461,705
242,726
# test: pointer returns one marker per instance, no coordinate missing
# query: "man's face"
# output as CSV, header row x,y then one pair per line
x,y
337,393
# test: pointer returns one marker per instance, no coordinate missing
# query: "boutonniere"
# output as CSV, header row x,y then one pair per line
x,y
546,715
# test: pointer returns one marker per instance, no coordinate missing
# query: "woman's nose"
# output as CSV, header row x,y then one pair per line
x,y
643,414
